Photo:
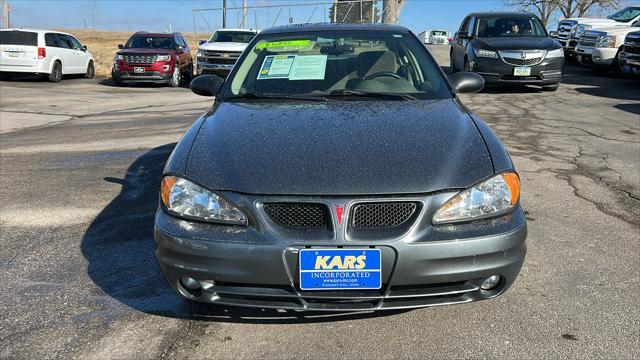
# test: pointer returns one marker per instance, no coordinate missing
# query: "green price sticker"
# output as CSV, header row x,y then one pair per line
x,y
282,44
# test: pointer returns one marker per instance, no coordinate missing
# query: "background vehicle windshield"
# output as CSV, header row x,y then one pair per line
x,y
510,26
150,42
232,36
439,33
323,63
625,15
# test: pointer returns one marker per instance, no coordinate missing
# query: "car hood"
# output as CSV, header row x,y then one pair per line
x,y
520,43
615,30
145,51
224,46
339,148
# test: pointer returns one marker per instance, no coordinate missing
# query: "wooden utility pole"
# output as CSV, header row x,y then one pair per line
x,y
5,14
390,10
244,14
224,14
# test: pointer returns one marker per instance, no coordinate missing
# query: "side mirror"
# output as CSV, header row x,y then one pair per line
x,y
466,82
180,48
85,47
120,46
553,34
202,42
206,85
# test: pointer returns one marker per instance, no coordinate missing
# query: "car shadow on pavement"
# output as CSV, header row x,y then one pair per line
x,y
601,84
119,249
109,82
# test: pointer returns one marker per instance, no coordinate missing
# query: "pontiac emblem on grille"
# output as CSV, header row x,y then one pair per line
x,y
339,211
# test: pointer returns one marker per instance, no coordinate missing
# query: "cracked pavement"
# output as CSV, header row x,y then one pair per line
x,y
79,190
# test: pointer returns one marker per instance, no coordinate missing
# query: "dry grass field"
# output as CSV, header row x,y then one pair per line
x,y
104,45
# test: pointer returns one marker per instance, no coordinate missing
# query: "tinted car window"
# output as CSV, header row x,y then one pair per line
x,y
62,41
509,27
18,38
75,42
327,62
232,36
150,42
50,39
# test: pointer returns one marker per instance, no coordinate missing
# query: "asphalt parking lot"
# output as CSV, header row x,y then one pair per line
x,y
81,162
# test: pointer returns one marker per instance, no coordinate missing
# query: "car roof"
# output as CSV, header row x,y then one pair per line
x,y
36,30
239,30
501,14
294,28
159,34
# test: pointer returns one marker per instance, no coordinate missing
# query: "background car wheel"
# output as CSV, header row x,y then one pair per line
x,y
467,65
116,80
188,75
616,68
91,71
56,72
452,64
553,87
175,78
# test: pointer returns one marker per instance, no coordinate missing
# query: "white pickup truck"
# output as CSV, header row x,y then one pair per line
x,y
435,37
218,54
571,30
601,47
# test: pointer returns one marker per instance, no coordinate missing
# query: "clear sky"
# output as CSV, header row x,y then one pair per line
x,y
157,15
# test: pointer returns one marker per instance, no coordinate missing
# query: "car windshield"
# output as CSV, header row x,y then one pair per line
x,y
339,64
510,27
625,15
439,33
150,42
232,36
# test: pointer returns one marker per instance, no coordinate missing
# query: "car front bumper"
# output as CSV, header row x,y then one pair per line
x,y
247,266
211,68
596,57
630,63
497,72
156,77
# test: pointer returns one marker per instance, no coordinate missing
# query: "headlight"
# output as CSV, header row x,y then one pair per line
x,y
557,53
200,53
118,57
489,198
183,198
607,41
485,53
163,58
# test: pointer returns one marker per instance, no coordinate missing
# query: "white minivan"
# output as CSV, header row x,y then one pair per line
x,y
45,52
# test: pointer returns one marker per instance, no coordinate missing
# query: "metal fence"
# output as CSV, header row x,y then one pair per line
x,y
267,15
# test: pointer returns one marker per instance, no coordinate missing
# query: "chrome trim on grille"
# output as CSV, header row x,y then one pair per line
x,y
522,57
140,59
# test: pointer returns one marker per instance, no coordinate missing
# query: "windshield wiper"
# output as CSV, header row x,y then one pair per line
x,y
277,96
388,96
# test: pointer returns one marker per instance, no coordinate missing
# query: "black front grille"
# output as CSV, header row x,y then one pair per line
x,y
522,62
299,216
368,216
632,49
140,59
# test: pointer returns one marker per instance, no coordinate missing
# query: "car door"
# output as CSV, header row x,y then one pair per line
x,y
79,60
458,44
183,53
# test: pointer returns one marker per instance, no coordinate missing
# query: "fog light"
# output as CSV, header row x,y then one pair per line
x,y
491,282
190,283
165,68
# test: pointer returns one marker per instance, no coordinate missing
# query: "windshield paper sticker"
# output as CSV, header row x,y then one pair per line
x,y
309,67
293,67
276,67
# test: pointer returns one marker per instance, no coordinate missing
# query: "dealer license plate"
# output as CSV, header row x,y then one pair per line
x,y
522,71
579,58
340,269
138,69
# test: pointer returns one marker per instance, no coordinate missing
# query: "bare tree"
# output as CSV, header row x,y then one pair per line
x,y
92,10
543,8
578,8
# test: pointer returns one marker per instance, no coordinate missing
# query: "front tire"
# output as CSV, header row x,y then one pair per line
x,y
116,80
56,72
188,76
553,87
616,67
176,78
467,65
452,64
91,71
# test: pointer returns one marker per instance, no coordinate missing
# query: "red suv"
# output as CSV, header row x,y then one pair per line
x,y
153,58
